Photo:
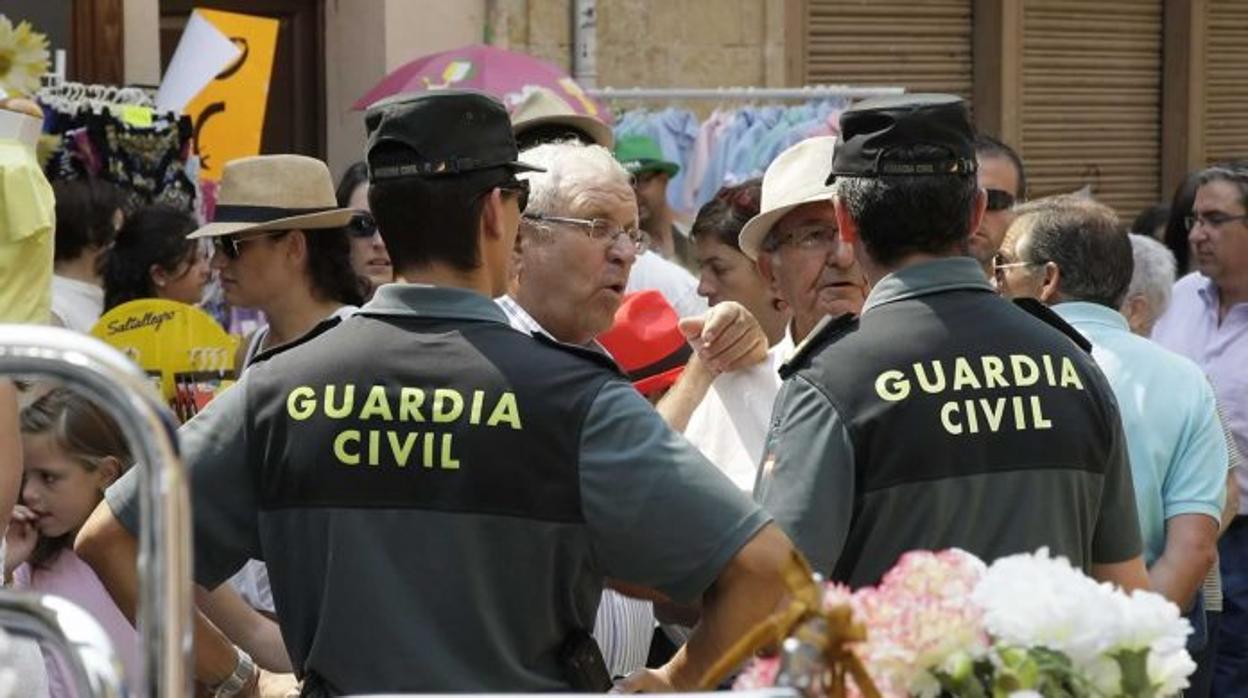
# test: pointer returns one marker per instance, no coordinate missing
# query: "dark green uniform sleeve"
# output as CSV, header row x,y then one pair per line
x,y
660,514
1117,537
223,497
807,476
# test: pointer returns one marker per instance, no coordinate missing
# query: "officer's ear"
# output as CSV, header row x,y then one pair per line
x,y
493,221
1051,284
977,211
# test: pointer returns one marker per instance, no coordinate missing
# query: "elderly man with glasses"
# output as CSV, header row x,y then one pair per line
x,y
1208,322
578,241
794,241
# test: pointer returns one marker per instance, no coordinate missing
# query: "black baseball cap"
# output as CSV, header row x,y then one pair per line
x,y
439,133
873,129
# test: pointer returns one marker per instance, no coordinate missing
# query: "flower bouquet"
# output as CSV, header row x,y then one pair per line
x,y
1028,625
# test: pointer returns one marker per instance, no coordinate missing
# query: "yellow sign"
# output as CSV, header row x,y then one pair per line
x,y
184,351
228,114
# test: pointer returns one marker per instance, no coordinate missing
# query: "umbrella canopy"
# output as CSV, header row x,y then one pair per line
x,y
496,71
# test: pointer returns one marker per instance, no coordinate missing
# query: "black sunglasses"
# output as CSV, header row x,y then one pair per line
x,y
362,225
999,200
228,245
519,187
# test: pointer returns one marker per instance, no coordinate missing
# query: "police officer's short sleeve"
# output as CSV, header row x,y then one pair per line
x,y
806,480
1117,537
660,514
223,496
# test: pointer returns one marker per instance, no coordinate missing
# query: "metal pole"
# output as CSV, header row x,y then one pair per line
x,y
103,374
585,43
810,92
69,632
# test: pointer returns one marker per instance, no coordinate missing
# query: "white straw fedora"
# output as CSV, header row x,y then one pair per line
x,y
541,105
275,192
794,178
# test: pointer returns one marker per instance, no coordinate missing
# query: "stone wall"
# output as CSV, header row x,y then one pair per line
x,y
658,43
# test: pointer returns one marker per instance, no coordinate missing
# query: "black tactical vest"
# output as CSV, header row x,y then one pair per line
x,y
423,413
974,425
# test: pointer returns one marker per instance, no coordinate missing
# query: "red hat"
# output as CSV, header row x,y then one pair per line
x,y
646,342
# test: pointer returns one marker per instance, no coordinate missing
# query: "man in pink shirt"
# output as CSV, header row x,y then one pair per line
x,y
1208,322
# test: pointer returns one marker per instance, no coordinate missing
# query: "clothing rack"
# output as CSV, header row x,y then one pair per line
x,y
760,93
65,95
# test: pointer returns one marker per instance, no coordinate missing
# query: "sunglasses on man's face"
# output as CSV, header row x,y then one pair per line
x,y
999,200
231,245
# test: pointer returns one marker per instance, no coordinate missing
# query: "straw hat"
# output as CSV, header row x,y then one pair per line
x,y
794,178
541,105
275,192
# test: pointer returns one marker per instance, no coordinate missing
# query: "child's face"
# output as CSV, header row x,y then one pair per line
x,y
58,488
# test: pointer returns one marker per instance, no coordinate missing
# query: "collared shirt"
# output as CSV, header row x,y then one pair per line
x,y
1190,327
519,318
429,579
1178,454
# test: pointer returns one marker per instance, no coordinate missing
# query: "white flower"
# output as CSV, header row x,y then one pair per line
x,y
1149,619
1168,671
1025,694
1040,601
23,57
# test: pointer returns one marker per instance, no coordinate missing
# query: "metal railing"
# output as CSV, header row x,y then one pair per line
x,y
70,633
118,386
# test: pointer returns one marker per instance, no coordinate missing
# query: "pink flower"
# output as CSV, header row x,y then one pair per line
x,y
759,673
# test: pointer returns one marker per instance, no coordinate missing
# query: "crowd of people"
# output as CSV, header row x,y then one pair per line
x,y
510,425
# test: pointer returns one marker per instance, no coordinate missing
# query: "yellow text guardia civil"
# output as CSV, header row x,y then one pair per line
x,y
430,448
1018,411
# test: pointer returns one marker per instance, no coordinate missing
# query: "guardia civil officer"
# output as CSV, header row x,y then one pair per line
x,y
942,416
439,497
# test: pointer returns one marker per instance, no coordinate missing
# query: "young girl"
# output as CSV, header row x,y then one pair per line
x,y
71,451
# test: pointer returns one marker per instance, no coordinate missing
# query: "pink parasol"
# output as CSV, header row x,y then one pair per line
x,y
499,72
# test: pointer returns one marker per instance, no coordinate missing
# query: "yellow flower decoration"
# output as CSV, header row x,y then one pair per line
x,y
23,57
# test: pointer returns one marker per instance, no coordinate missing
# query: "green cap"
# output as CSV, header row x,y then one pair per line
x,y
641,154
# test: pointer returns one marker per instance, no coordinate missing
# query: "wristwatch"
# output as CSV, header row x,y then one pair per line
x,y
234,683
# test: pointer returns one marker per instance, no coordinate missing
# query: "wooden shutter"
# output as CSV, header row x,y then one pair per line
x,y
1091,111
923,45
1226,80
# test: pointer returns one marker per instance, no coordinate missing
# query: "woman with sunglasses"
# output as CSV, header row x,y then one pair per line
x,y
368,251
281,247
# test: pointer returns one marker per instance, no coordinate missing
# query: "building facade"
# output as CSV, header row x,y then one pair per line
x,y
1122,96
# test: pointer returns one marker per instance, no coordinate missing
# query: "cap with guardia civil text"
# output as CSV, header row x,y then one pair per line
x,y
874,130
439,133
